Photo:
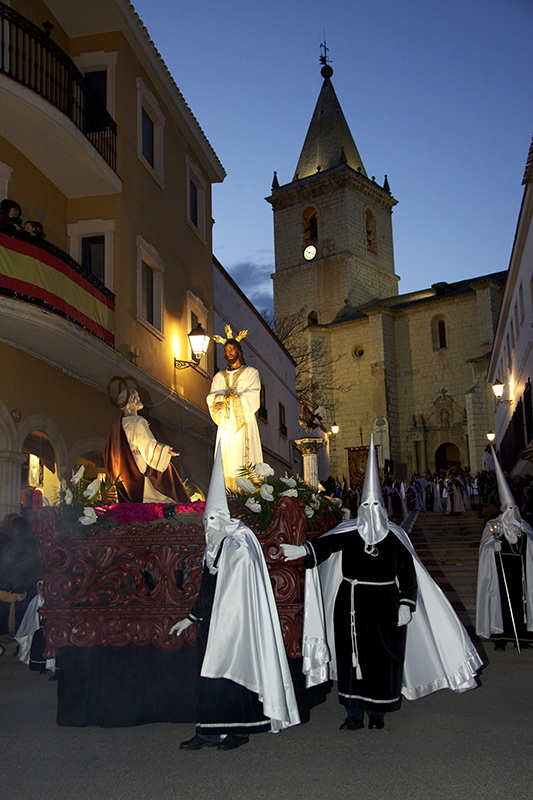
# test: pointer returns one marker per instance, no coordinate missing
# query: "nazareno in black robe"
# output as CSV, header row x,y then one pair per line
x,y
380,642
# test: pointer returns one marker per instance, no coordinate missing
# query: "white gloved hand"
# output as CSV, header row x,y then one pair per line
x,y
293,551
404,616
180,626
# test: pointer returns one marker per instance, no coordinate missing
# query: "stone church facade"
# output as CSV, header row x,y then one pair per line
x,y
409,368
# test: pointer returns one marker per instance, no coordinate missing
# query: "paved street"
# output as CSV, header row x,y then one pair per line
x,y
443,747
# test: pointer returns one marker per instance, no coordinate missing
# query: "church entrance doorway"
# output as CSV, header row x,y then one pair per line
x,y
447,457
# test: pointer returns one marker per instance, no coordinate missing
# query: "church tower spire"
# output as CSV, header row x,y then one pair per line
x,y
329,142
332,223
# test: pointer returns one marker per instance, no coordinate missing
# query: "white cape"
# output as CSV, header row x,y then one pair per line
x,y
245,643
439,652
25,631
489,603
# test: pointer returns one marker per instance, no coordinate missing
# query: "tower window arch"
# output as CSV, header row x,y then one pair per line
x,y
310,226
371,239
439,333
312,318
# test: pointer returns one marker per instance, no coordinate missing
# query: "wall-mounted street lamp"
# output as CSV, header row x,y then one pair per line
x,y
199,342
491,436
497,388
334,428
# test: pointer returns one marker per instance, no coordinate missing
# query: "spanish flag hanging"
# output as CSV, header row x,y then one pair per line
x,y
36,274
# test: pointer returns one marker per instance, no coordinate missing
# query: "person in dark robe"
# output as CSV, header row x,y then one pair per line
x,y
374,604
139,462
504,608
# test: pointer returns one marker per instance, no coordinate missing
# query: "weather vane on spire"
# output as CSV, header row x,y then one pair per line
x,y
326,70
324,54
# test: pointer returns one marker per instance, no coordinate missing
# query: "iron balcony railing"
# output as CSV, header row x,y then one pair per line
x,y
29,56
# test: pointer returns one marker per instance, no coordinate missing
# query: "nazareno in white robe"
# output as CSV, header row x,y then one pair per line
x,y
439,653
237,431
489,618
245,643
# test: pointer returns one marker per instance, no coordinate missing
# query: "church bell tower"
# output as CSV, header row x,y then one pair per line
x,y
332,223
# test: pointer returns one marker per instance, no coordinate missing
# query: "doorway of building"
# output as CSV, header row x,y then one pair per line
x,y
447,457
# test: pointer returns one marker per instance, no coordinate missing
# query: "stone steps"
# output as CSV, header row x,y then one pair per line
x,y
448,547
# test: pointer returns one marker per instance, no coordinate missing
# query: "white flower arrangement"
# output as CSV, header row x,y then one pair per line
x,y
259,489
263,470
89,516
253,505
267,492
246,485
92,489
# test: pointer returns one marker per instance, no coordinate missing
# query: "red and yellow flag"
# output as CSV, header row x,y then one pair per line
x,y
31,271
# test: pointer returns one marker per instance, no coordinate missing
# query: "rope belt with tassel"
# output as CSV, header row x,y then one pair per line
x,y
355,654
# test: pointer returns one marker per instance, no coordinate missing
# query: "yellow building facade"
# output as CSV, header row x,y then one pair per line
x,y
99,146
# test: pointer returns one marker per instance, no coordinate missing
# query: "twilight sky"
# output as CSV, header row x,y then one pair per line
x,y
438,95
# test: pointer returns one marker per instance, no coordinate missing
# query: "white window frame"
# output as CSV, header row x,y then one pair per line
x,y
5,177
146,100
94,227
147,253
195,305
100,60
194,175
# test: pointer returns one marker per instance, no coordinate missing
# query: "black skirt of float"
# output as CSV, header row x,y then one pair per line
x,y
119,687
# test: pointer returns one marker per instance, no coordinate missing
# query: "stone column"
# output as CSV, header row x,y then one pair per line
x,y
309,448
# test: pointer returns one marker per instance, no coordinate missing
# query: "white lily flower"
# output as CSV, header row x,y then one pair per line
x,y
78,476
253,505
267,492
195,497
346,514
309,512
291,483
64,485
89,516
68,497
336,501
263,470
245,485
289,493
92,489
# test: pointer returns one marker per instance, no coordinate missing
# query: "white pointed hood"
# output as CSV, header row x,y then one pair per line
x,y
372,519
511,522
216,514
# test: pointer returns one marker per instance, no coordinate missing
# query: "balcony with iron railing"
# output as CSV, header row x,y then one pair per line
x,y
51,114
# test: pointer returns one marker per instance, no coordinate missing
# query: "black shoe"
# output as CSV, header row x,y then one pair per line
x,y
352,724
500,646
196,743
231,742
2,650
54,677
375,722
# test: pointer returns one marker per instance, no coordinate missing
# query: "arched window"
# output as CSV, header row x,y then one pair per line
x,y
312,318
371,240
438,333
310,226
